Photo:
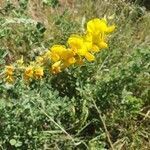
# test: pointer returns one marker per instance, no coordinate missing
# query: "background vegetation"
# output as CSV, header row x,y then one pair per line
x,y
101,105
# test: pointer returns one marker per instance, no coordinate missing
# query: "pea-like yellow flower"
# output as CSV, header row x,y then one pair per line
x,y
39,60
61,53
77,44
56,67
67,53
9,79
9,70
96,33
28,73
38,72
81,45
98,42
96,26
89,56
57,52
68,57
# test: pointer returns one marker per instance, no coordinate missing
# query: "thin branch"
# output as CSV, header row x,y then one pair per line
x,y
62,129
52,120
145,115
104,125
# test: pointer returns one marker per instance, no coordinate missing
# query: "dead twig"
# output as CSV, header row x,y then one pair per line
x,y
104,125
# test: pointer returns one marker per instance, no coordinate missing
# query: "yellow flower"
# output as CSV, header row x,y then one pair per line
x,y
60,53
39,59
77,44
56,67
96,33
98,42
81,46
89,56
68,57
9,79
57,52
68,53
68,62
38,72
71,60
28,73
103,44
96,26
111,29
9,70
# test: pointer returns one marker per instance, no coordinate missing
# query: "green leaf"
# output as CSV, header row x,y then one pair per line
x,y
12,141
18,144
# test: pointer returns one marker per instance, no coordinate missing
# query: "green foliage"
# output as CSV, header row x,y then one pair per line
x,y
23,119
66,26
22,34
25,110
18,32
52,3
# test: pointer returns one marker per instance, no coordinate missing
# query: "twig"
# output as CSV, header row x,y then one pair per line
x,y
63,130
57,125
103,63
52,120
104,124
145,115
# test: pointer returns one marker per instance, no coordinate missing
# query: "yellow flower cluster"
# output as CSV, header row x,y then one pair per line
x,y
59,57
9,72
30,72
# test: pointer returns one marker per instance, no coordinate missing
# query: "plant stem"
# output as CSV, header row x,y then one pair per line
x,y
104,125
